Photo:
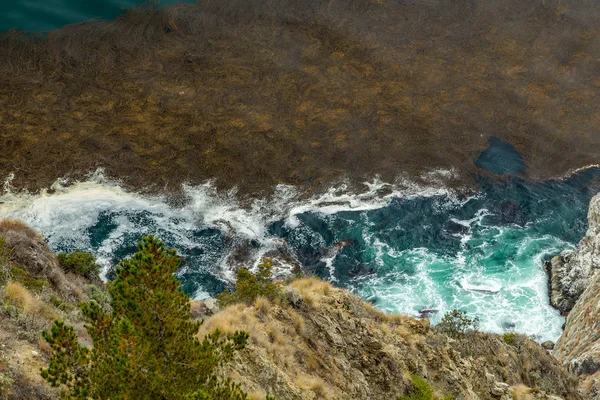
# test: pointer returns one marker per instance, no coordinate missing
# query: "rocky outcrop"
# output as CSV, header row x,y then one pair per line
x,y
572,271
579,346
28,250
325,343
575,286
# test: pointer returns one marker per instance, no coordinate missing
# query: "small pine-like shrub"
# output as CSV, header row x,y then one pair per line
x,y
80,263
456,323
422,390
250,286
146,346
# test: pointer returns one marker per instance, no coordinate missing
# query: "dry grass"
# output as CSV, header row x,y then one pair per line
x,y
314,384
28,303
522,392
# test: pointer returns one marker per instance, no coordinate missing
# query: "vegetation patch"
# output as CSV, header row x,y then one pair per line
x,y
422,390
80,263
249,286
456,323
147,345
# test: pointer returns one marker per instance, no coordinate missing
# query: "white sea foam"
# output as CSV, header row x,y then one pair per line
x,y
415,279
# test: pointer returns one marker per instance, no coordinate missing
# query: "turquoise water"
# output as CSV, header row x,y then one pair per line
x,y
43,15
405,247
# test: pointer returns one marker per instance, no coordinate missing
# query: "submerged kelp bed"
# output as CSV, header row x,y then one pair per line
x,y
255,93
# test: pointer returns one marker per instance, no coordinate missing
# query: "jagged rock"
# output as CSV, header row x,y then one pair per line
x,y
499,389
548,345
572,271
293,296
211,305
577,281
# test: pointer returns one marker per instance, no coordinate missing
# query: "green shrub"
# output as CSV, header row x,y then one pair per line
x,y
6,383
249,286
60,304
146,348
456,323
510,338
99,296
80,263
422,390
31,282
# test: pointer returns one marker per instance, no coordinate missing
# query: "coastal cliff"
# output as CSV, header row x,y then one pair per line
x,y
317,342
575,286
573,270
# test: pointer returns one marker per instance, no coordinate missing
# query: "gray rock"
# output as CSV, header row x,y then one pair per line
x,y
293,296
499,389
548,345
572,271
211,305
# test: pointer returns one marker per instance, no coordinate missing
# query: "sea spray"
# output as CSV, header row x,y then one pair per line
x,y
405,247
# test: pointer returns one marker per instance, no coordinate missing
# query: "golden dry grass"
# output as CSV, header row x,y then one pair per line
x,y
522,392
31,305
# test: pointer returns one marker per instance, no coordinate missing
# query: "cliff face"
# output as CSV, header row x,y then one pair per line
x,y
328,344
573,270
575,282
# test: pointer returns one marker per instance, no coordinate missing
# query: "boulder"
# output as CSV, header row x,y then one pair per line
x,y
293,296
548,345
211,305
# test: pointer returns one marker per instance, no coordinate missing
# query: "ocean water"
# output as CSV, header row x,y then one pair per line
x,y
403,246
44,15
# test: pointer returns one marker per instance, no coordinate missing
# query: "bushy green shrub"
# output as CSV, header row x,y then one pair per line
x,y
250,285
146,348
99,296
422,390
510,338
80,263
456,323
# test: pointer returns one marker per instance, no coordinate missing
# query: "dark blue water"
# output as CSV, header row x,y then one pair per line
x,y
44,15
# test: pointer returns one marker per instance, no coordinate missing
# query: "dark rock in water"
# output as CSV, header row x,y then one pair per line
x,y
454,228
508,325
427,312
510,213
548,345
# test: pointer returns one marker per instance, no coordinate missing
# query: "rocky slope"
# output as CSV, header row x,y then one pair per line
x,y
34,291
576,290
316,342
326,343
